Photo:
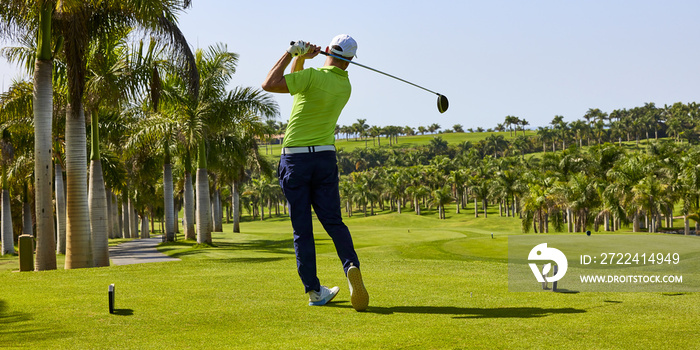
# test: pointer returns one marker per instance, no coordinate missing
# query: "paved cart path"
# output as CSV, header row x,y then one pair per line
x,y
138,251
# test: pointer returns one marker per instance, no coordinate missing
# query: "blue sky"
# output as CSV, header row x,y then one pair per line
x,y
531,59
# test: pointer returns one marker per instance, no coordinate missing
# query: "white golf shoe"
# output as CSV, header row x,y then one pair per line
x,y
359,298
323,296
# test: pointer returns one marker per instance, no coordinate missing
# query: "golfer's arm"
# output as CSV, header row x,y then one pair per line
x,y
298,64
275,82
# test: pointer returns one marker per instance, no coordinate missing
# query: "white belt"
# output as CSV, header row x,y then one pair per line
x,y
309,149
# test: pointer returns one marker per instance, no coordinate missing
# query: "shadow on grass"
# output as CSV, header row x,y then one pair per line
x,y
123,312
16,327
11,317
467,312
266,246
248,260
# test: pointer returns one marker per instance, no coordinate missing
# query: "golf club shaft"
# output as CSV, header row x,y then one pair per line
x,y
378,71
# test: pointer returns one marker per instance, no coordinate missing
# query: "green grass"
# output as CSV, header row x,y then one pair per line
x,y
433,284
404,141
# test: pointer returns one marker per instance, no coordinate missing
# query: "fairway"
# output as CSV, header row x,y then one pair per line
x,y
432,284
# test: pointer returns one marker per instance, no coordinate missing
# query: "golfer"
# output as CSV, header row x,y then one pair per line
x,y
308,170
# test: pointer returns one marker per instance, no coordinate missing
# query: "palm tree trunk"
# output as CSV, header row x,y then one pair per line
x,y
27,218
236,207
125,217
476,208
543,227
133,221
43,116
178,207
213,211
78,238
145,233
60,210
136,233
8,236
115,216
220,205
97,201
534,223
169,203
228,213
686,221
262,209
218,225
606,218
108,199
189,207
203,233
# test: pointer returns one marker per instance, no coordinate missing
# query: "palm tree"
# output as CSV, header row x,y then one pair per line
x,y
437,146
648,195
480,184
598,117
396,186
458,179
496,144
107,82
442,197
8,236
561,129
15,107
627,173
345,188
545,135
511,123
536,202
689,179
16,17
375,132
434,127
581,197
60,201
523,123
43,108
78,22
213,114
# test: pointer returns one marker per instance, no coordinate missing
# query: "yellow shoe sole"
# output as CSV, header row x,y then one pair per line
x,y
359,298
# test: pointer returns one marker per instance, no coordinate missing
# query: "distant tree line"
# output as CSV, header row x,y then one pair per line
x,y
585,177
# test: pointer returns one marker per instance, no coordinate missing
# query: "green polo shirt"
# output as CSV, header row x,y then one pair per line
x,y
319,96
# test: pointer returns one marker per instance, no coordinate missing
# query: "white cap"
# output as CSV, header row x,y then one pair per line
x,y
344,44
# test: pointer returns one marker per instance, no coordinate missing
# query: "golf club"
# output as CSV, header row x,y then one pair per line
x,y
442,102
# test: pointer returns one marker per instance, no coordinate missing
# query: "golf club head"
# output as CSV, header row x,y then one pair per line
x,y
442,103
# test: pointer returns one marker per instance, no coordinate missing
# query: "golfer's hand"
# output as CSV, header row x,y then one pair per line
x,y
312,52
298,48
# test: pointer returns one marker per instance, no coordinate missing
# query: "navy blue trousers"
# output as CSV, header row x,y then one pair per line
x,y
311,180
